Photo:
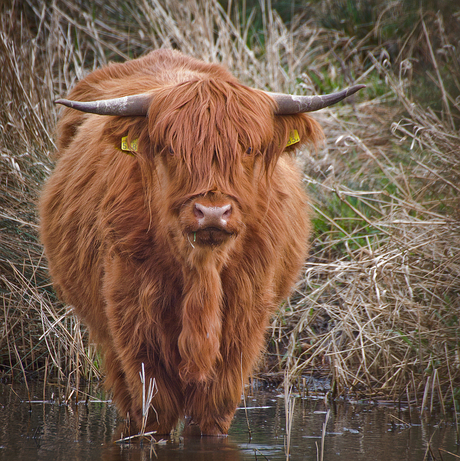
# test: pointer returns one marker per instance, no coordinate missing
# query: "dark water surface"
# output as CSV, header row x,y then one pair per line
x,y
53,431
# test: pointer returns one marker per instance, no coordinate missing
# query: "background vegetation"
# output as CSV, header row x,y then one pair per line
x,y
377,309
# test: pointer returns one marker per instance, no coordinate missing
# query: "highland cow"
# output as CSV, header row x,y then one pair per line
x,y
174,223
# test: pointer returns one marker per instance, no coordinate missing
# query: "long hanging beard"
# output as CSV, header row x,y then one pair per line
x,y
199,341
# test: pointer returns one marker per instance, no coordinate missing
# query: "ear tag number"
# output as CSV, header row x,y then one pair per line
x,y
294,138
125,147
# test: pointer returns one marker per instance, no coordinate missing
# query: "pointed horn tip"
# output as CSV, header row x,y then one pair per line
x,y
353,89
64,102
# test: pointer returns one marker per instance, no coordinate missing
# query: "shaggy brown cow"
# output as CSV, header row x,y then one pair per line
x,y
176,251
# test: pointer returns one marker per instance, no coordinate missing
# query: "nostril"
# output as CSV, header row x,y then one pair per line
x,y
199,210
227,211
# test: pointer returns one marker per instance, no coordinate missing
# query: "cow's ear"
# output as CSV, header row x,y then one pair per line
x,y
292,131
127,134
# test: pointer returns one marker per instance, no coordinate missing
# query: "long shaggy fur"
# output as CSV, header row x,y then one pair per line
x,y
123,248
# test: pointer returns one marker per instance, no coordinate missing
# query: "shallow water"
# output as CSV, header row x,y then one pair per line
x,y
52,431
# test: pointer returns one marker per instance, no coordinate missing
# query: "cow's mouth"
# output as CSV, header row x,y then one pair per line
x,y
209,236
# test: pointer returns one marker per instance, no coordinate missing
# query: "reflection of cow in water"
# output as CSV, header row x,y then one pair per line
x,y
176,255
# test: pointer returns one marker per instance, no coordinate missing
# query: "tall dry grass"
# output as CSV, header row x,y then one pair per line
x,y
377,308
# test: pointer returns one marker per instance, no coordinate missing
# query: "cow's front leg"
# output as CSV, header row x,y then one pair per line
x,y
142,333
212,405
165,408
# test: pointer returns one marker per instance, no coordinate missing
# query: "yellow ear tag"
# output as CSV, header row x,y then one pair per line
x,y
294,138
129,148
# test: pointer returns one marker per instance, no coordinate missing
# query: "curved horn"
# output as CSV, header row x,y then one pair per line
x,y
137,104
289,105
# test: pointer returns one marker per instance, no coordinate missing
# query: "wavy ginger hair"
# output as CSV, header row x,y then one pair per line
x,y
117,232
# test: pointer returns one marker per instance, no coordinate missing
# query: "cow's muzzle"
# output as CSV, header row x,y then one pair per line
x,y
211,222
212,216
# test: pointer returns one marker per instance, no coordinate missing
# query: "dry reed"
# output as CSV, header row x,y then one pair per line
x,y
377,308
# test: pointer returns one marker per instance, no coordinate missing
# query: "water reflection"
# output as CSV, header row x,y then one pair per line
x,y
44,431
